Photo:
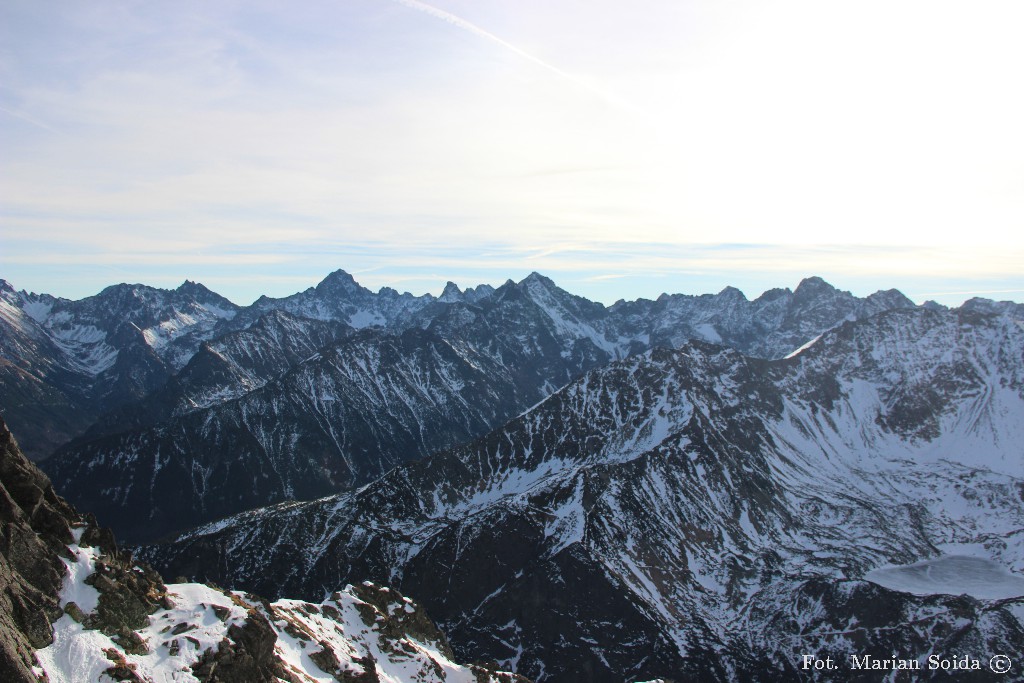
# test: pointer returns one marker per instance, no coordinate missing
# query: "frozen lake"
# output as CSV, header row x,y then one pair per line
x,y
950,575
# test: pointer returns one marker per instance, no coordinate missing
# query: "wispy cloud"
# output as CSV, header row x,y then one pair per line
x,y
465,25
28,119
609,276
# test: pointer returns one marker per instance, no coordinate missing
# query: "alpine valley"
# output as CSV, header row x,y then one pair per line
x,y
702,488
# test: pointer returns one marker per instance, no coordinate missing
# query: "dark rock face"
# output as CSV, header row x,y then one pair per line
x,y
35,524
226,368
245,655
36,530
692,514
854,622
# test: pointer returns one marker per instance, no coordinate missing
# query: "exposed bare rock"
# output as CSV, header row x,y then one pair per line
x,y
34,523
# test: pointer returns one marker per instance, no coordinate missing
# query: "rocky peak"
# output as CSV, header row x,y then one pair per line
x,y
123,293
980,305
200,293
508,291
536,278
536,286
340,284
813,288
773,294
732,294
451,293
193,289
474,295
889,299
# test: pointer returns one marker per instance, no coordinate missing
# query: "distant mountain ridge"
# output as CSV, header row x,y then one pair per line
x,y
471,361
64,363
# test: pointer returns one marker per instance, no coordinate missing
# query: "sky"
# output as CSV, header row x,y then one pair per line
x,y
622,149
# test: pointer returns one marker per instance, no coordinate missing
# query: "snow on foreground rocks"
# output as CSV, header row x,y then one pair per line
x,y
199,632
74,607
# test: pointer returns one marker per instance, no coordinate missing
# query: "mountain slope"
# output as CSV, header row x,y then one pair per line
x,y
227,368
694,513
83,358
334,422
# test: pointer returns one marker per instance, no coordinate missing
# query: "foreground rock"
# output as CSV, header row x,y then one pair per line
x,y
75,608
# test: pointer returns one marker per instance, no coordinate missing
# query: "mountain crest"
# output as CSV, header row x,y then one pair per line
x,y
537,278
731,293
813,286
451,293
340,283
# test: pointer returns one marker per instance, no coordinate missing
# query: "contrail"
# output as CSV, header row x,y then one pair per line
x,y
458,21
28,119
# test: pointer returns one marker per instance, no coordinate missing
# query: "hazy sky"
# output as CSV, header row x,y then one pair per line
x,y
623,149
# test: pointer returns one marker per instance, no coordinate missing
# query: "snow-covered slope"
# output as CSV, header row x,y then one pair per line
x,y
93,331
227,368
695,512
362,632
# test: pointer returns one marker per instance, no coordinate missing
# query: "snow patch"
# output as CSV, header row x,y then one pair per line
x,y
37,310
709,333
803,348
361,319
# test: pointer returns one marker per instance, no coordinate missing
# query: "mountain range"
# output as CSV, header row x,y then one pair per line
x,y
695,512
687,488
281,394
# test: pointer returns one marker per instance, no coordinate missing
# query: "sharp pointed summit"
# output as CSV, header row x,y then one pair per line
x,y
340,283
451,293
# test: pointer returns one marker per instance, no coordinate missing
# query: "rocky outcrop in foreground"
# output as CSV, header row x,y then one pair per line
x,y
74,607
